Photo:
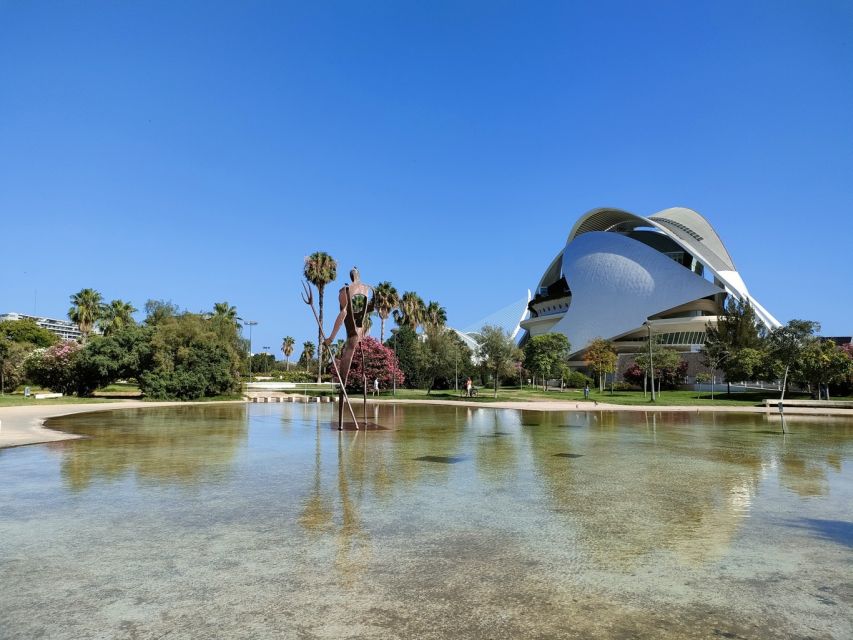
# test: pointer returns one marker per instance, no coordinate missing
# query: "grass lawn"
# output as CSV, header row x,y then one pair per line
x,y
18,400
671,398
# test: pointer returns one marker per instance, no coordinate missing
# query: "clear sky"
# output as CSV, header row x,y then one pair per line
x,y
197,151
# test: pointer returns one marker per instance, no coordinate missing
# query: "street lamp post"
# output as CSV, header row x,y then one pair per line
x,y
396,363
250,324
651,360
266,360
456,372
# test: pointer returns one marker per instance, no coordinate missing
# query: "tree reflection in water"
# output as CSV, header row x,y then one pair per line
x,y
185,447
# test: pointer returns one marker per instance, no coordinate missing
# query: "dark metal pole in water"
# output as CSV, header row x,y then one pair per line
x,y
364,381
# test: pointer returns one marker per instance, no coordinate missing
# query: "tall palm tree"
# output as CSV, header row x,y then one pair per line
x,y
307,353
117,316
385,300
434,316
287,349
225,310
320,269
410,311
337,347
86,310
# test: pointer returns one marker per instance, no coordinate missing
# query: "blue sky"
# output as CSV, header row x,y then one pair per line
x,y
197,151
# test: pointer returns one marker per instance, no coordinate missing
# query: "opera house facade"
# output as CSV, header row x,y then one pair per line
x,y
621,275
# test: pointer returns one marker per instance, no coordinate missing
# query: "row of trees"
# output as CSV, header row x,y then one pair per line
x,y
741,348
173,354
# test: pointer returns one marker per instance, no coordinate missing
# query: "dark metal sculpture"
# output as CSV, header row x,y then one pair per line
x,y
308,298
356,302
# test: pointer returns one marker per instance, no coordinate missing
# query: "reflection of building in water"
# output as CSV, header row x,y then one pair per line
x,y
689,499
150,446
673,489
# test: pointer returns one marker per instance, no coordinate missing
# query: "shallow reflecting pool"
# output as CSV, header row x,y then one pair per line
x,y
249,521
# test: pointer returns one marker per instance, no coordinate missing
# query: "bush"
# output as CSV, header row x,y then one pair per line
x,y
54,367
379,363
577,380
297,375
12,357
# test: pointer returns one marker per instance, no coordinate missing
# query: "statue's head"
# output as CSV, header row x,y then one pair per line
x,y
353,274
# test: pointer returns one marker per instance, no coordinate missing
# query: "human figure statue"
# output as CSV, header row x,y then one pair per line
x,y
355,301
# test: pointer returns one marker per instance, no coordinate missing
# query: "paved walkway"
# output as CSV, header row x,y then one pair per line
x,y
25,424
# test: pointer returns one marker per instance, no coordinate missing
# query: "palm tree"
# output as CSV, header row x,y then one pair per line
x,y
287,349
224,310
117,316
434,316
320,269
385,300
410,311
86,310
307,353
337,347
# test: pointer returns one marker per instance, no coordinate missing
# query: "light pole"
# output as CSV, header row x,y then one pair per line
x,y
456,372
266,361
250,324
648,326
396,364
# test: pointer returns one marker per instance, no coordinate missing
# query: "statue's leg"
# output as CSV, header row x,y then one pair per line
x,y
344,366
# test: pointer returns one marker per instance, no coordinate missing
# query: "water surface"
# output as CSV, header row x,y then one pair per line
x,y
249,521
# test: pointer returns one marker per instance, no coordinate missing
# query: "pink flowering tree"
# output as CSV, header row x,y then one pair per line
x,y
54,367
379,363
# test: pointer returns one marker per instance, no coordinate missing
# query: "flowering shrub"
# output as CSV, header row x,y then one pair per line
x,y
379,362
54,367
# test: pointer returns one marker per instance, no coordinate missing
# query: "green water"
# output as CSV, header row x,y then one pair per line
x,y
254,521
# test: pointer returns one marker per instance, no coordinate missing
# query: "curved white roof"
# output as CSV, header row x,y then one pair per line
x,y
617,282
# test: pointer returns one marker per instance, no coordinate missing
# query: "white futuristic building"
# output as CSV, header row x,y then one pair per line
x,y
619,271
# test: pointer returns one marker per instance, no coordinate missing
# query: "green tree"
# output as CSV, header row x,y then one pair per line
x,y
27,331
544,354
787,344
821,362
287,344
443,355
307,354
193,356
385,300
434,317
600,357
159,311
668,366
121,355
86,309
498,352
225,311
116,316
409,350
745,364
12,357
320,269
411,310
737,328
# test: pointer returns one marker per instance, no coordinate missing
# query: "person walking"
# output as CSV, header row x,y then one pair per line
x,y
468,387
